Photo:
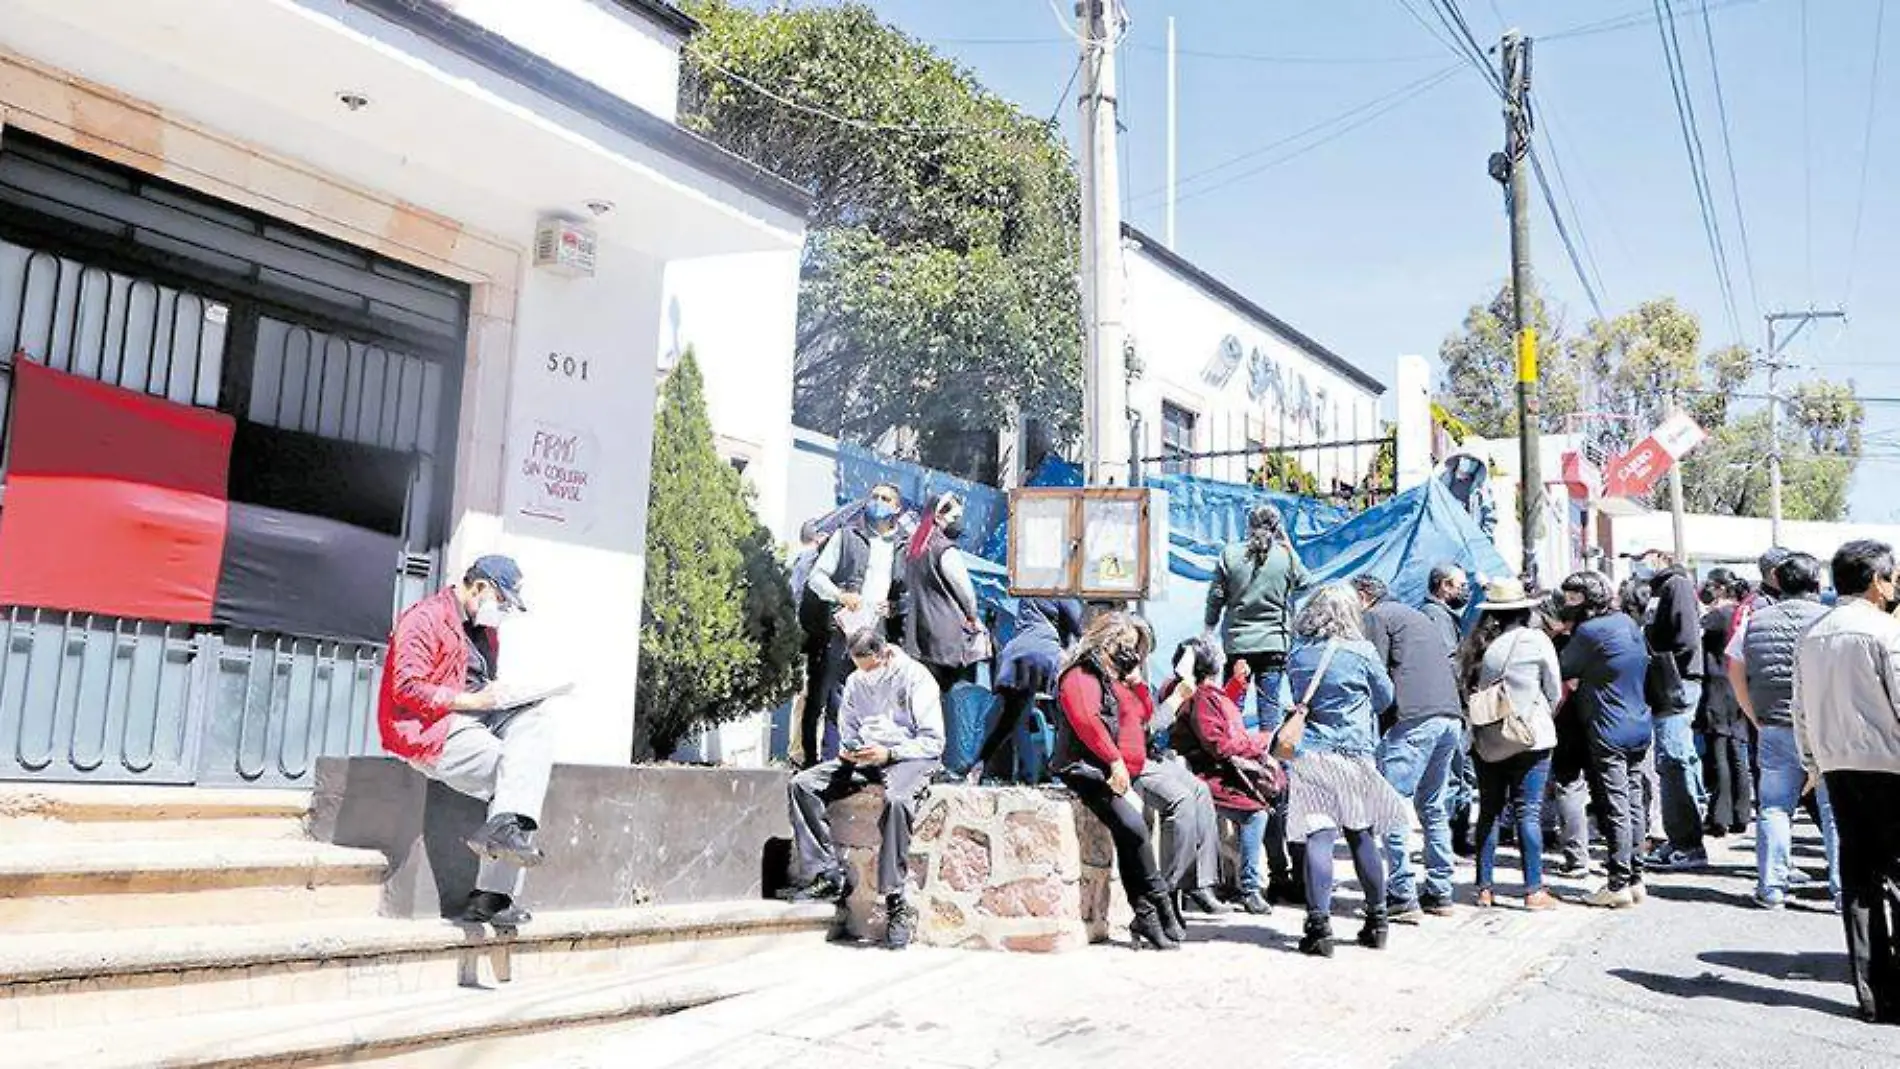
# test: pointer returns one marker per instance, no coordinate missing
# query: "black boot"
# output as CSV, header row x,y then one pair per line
x,y
1373,933
1203,901
1146,927
1318,940
1461,843
1169,910
493,907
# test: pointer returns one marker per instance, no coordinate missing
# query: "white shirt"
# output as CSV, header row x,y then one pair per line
x,y
876,589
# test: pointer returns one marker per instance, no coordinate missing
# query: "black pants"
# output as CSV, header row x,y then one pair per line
x,y
1866,805
1616,789
1016,704
1731,790
1130,832
826,667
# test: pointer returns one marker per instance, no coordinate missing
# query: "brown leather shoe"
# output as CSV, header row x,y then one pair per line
x,y
1485,899
1538,901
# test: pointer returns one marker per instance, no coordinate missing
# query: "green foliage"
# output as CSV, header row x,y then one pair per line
x,y
1480,369
1282,472
1640,366
718,633
1457,429
938,288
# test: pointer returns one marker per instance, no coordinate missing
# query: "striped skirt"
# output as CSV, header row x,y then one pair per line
x,y
1328,790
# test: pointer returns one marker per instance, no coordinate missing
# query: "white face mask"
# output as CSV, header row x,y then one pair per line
x,y
488,613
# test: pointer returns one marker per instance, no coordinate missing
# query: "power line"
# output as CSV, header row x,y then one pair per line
x,y
826,113
1055,113
1728,154
1626,21
1692,145
1807,154
1291,60
1866,152
1563,234
1391,103
1399,95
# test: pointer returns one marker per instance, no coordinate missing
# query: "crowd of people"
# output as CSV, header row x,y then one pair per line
x,y
1671,710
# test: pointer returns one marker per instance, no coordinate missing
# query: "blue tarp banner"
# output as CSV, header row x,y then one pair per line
x,y
1400,541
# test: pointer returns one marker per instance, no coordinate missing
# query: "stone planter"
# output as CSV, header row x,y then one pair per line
x,y
991,868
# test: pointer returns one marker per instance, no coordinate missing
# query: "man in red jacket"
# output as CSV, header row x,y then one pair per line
x,y
439,712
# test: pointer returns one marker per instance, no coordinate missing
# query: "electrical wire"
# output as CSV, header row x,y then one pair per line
x,y
1807,154
1563,235
825,113
1626,21
1375,107
1055,113
1069,30
1866,152
1692,145
1728,154
1254,57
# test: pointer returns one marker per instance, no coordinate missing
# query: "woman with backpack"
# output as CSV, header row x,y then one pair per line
x,y
1510,669
1251,600
1211,737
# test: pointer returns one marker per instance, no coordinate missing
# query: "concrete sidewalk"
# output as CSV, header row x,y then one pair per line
x,y
1238,985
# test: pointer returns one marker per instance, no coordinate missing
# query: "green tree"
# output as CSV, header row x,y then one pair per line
x,y
718,634
1479,386
1639,367
938,285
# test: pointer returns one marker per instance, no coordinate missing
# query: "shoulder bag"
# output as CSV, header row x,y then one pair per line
x,y
1498,730
1286,741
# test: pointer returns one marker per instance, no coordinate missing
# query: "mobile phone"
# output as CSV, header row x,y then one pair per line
x,y
1184,668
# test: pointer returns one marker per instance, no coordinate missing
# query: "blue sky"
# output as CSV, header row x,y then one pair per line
x,y
1377,241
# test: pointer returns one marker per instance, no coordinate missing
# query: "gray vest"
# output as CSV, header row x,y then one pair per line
x,y
1768,650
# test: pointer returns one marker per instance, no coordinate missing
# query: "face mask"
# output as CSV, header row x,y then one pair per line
x,y
1643,570
488,613
1457,599
879,511
1123,661
1573,614
953,530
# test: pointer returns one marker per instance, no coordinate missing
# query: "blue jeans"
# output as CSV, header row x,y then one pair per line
x,y
1417,757
1521,781
1782,778
1250,829
1269,689
1685,797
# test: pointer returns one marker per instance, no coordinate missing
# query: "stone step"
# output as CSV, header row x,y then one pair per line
x,y
92,886
436,1029
111,813
93,979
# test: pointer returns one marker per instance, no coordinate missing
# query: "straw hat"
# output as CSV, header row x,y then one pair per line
x,y
1502,595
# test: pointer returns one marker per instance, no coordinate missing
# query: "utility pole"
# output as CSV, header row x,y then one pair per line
x,y
1772,360
1675,498
1104,362
1512,168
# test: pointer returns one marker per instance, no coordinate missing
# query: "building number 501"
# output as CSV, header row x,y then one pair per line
x,y
567,366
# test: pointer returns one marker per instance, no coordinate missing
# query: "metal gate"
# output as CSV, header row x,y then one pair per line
x,y
128,280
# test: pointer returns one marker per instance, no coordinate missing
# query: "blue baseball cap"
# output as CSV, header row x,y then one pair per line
x,y
504,575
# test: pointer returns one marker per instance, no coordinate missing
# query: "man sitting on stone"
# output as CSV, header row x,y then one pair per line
x,y
890,727
439,712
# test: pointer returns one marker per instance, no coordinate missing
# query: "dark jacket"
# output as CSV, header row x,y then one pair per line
x,y
1768,654
1447,622
1256,598
1675,622
937,621
1100,724
854,558
1607,658
1721,713
1209,734
1413,650
1033,655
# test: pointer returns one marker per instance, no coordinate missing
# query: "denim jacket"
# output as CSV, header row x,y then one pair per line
x,y
1343,717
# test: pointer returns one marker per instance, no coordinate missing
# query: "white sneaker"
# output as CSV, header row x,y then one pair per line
x,y
1639,893
1604,898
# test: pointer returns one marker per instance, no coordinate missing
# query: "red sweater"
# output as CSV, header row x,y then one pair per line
x,y
424,670
1079,696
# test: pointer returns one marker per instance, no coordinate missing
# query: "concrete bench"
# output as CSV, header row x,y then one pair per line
x,y
615,836
993,868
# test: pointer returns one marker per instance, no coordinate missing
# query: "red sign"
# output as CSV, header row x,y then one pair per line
x,y
1636,472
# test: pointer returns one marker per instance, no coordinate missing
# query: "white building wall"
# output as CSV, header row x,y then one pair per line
x,y
614,48
584,555
1179,329
739,315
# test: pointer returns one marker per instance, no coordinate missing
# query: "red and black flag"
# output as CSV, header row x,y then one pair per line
x,y
123,504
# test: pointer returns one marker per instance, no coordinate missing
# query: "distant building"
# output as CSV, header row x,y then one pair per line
x,y
1219,373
